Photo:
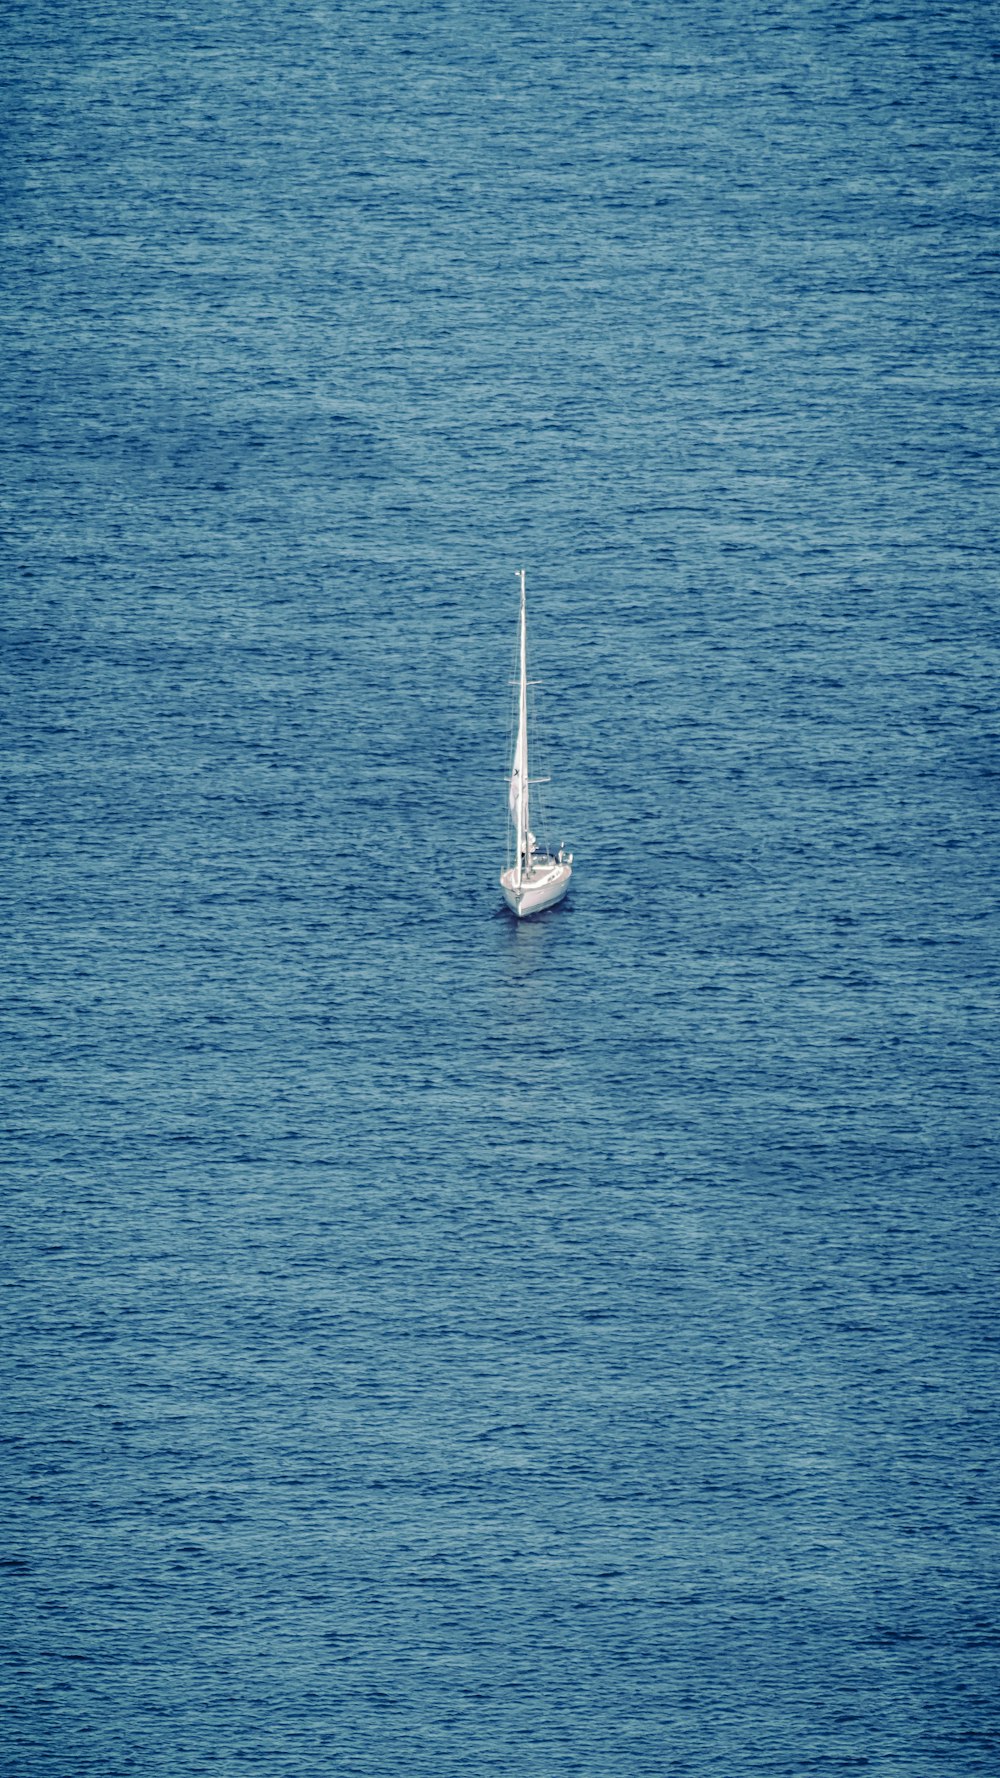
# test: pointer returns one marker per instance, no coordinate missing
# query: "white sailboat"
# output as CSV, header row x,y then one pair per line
x,y
536,879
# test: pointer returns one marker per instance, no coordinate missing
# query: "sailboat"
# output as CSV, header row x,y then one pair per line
x,y
536,879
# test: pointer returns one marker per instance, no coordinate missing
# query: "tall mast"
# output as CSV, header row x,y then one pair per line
x,y
522,746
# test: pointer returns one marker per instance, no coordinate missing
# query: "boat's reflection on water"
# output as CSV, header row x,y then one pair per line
x,y
527,947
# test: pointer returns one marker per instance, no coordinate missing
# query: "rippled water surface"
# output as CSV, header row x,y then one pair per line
x,y
439,1345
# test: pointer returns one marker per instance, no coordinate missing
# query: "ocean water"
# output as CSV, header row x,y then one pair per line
x,y
436,1344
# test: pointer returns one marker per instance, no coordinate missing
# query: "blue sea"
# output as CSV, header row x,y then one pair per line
x,y
437,1344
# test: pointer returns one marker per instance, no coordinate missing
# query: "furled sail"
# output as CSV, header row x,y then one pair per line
x,y
519,771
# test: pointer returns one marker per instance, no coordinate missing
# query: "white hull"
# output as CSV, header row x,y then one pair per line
x,y
541,887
